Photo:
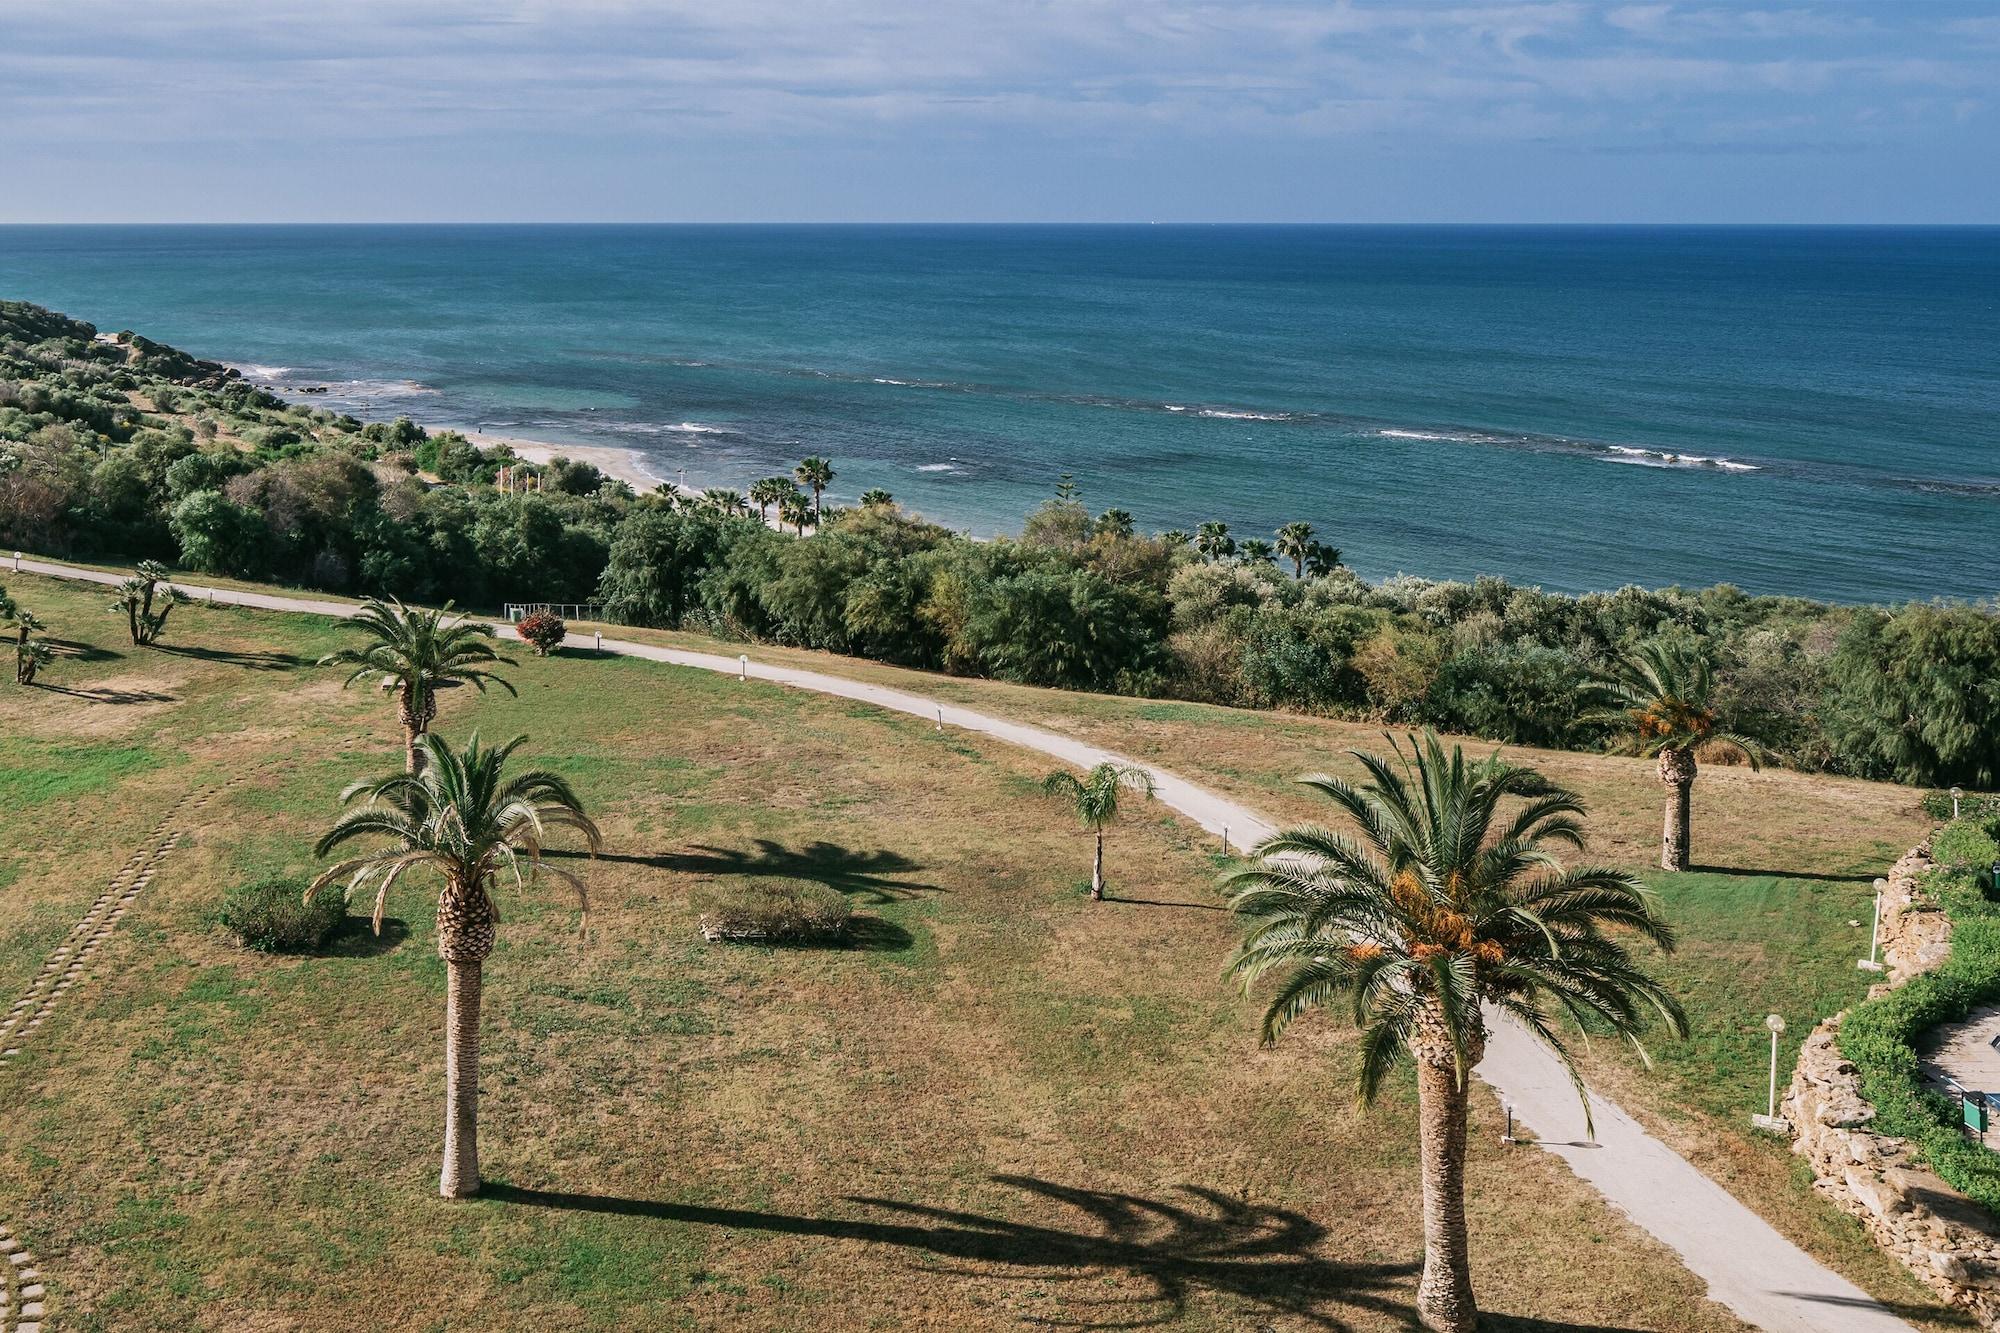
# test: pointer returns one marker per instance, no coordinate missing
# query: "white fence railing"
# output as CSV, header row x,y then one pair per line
x,y
516,612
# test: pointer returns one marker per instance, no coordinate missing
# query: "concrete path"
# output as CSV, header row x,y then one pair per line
x,y
1764,1278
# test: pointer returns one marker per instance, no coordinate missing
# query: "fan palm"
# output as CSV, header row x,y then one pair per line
x,y
768,491
875,497
1115,523
417,653
147,599
462,815
796,510
1448,903
815,474
723,500
1255,551
1661,695
1212,539
29,656
1094,798
1295,543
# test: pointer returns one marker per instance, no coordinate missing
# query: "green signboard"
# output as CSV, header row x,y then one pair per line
x,y
1975,1114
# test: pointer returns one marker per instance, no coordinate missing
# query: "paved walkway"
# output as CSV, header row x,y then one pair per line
x,y
1764,1278
1965,1052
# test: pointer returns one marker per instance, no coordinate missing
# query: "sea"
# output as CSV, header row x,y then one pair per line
x,y
1799,410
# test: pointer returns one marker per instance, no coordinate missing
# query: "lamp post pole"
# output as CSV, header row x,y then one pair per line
x,y
1770,1120
1869,964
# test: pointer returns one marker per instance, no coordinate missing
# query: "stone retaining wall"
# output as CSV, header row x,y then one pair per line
x,y
1942,1236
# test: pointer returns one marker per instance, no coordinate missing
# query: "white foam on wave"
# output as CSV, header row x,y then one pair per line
x,y
1419,435
1230,414
1637,457
252,370
698,428
937,467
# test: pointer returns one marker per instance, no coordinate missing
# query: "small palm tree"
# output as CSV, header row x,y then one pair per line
x,y
725,501
875,497
797,510
463,816
147,599
1212,539
1255,551
1094,798
1322,559
1115,523
417,653
1175,537
1446,905
30,656
1661,695
815,474
768,491
1295,543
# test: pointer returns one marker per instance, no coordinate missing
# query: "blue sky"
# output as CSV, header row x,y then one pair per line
x,y
1085,110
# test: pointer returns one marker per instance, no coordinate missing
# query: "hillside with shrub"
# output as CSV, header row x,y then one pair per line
x,y
120,448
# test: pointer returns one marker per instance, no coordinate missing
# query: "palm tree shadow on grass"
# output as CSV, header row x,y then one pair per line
x,y
1203,1240
100,695
258,661
356,938
873,877
75,650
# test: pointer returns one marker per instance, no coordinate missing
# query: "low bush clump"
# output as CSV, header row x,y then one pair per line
x,y
1971,805
271,916
544,631
777,911
1881,1036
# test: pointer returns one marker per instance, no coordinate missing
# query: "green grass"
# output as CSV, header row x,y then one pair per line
x,y
32,772
995,1117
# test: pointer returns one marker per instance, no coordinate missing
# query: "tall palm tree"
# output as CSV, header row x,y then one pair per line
x,y
1094,798
1295,543
815,474
768,491
796,510
1448,903
417,653
462,815
1661,695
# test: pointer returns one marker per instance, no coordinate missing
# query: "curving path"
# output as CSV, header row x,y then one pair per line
x,y
1751,1269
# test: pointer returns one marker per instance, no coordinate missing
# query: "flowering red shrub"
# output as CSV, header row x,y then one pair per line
x,y
544,630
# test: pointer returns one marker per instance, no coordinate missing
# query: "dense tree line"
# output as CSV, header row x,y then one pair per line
x,y
129,450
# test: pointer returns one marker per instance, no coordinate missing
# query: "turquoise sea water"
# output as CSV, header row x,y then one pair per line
x,y
1799,410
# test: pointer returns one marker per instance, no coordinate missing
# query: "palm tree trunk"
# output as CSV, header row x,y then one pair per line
x,y
1444,1296
1677,770
1097,868
460,1177
415,715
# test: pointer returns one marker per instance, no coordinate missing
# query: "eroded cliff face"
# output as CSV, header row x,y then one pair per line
x,y
1942,1236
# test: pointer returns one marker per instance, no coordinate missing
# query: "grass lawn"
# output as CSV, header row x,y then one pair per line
x,y
1006,1105
1785,863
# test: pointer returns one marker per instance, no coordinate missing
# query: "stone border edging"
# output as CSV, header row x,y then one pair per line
x,y
1907,1210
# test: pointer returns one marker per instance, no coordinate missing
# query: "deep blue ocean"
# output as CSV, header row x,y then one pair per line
x,y
1802,410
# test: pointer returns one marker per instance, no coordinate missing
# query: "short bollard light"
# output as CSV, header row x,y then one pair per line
x,y
742,666
17,562
1957,793
1771,1121
1508,1136
598,637
940,717
1869,964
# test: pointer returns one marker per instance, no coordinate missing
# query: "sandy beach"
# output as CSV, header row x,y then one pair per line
x,y
627,465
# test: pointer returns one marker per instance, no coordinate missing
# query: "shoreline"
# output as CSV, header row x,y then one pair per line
x,y
621,464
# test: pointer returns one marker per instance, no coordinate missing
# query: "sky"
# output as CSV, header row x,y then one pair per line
x,y
1000,110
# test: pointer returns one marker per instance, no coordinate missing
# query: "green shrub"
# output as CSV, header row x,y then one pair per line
x,y
781,911
1937,804
1964,845
271,916
1881,1036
